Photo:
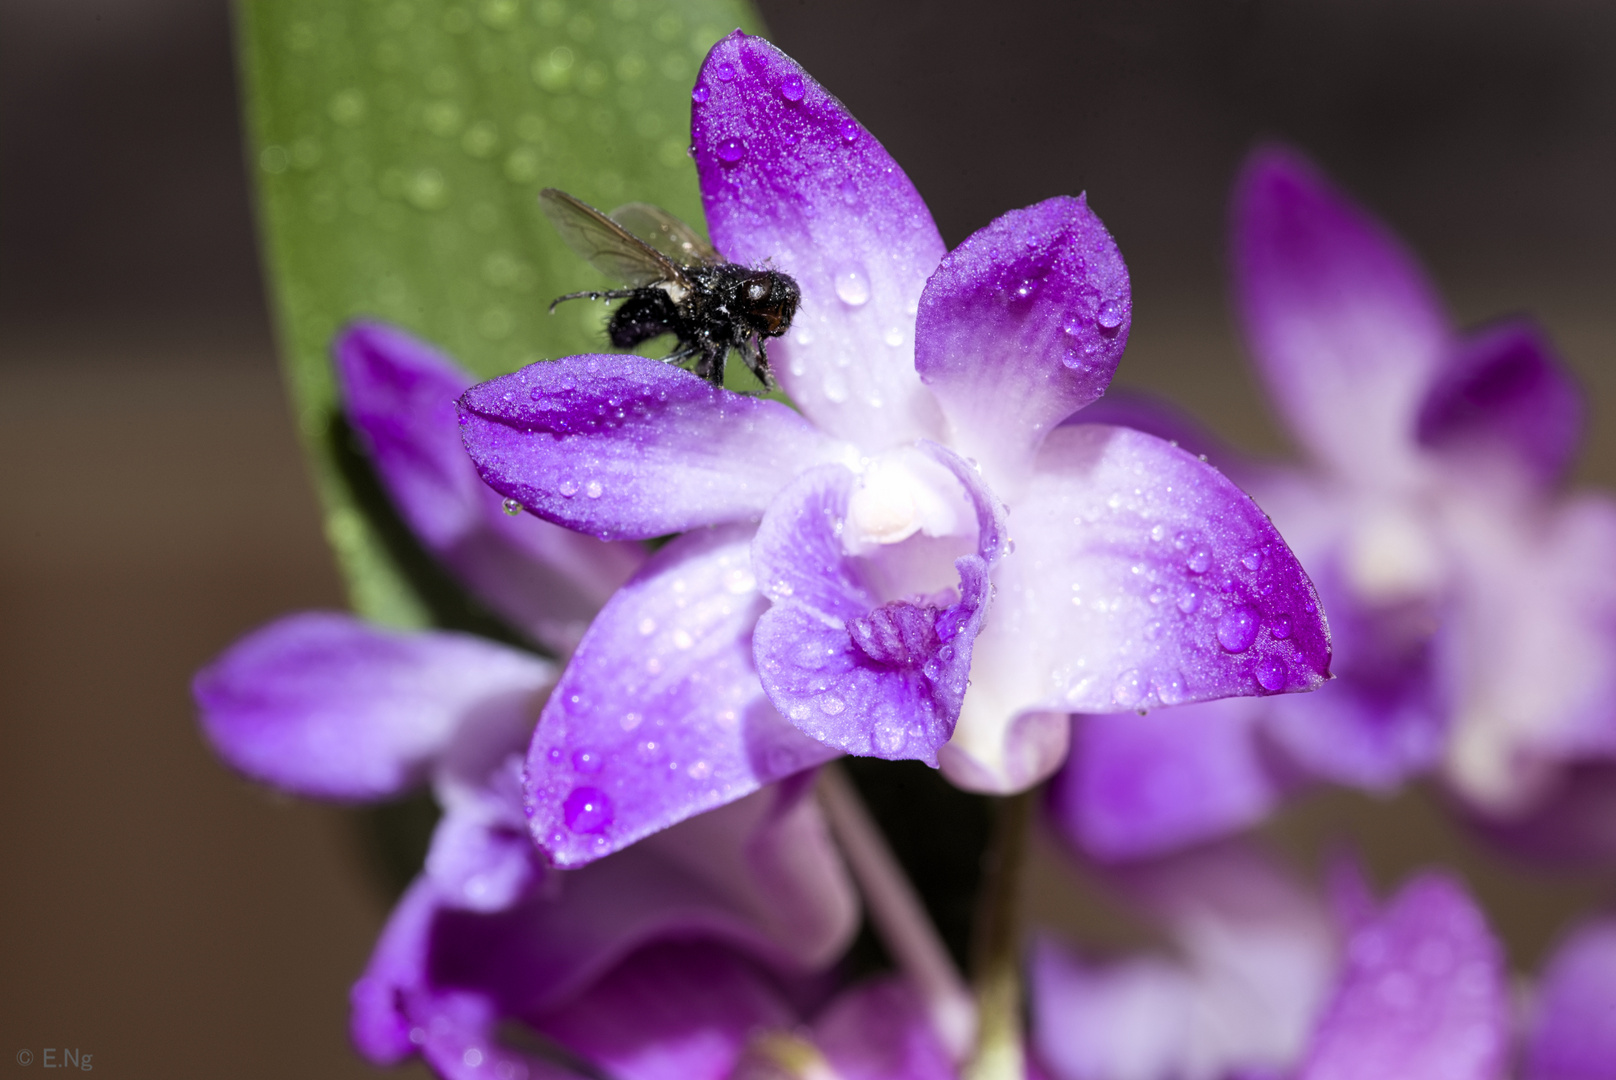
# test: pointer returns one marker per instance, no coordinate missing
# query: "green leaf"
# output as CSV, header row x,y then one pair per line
x,y
399,148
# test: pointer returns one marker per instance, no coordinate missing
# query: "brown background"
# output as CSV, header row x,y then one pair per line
x,y
174,922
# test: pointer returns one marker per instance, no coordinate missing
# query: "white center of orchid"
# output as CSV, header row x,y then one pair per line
x,y
1391,556
900,494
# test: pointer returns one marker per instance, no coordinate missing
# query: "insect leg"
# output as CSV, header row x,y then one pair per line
x,y
755,351
609,294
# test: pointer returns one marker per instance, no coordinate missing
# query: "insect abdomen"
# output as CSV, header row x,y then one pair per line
x,y
645,315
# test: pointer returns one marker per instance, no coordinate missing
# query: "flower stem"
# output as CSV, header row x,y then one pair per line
x,y
898,915
996,949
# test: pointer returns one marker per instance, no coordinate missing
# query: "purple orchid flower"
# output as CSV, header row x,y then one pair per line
x,y
1472,610
1275,982
846,580
327,706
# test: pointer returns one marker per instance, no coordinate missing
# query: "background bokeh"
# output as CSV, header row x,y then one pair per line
x,y
174,921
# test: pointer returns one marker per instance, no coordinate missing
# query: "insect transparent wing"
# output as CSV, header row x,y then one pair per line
x,y
608,246
666,233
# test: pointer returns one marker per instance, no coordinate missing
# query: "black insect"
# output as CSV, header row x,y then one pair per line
x,y
676,284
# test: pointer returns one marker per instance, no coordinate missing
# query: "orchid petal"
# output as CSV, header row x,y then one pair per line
x,y
1346,329
1141,577
880,1031
1573,1032
872,679
670,1012
325,705
1124,1021
1021,326
1573,824
1135,786
660,715
399,394
626,447
1527,650
1423,995
1506,391
789,178
481,856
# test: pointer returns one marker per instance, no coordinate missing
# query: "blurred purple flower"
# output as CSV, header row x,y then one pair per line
x,y
1273,982
1472,610
327,706
831,589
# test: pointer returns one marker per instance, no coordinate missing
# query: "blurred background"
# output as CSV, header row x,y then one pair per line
x,y
173,921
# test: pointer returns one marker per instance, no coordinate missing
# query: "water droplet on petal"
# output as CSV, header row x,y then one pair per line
x,y
852,287
587,761
587,810
731,150
1237,628
850,129
1252,560
1025,289
1109,317
1199,561
1130,690
700,94
889,737
726,72
511,507
568,488
1272,673
791,88
593,489
1188,601
831,705
1280,626
798,712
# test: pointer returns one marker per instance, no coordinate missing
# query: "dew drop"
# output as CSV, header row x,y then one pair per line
x,y
831,705
798,712
587,761
1252,560
593,489
1158,532
511,507
1129,691
568,488
894,337
1272,673
1237,628
555,755
700,94
849,190
852,287
1188,601
850,129
791,88
726,72
1280,627
1109,317
587,810
889,737
1025,290
1199,561
731,150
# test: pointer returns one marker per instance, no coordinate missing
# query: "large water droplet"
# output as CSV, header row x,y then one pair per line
x,y
1272,673
1252,560
511,507
700,94
593,489
889,737
731,150
850,129
1130,690
726,72
1199,560
587,810
791,88
852,287
1237,628
568,488
1280,626
1109,317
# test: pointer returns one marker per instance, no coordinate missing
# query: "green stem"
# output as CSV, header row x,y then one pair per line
x,y
996,948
